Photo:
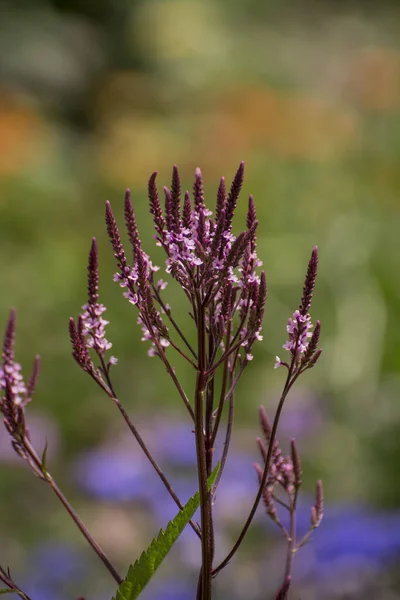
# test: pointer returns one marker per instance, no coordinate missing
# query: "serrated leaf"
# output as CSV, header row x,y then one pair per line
x,y
144,568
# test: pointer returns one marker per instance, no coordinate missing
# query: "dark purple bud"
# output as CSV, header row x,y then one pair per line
x,y
79,349
155,206
236,252
226,304
233,196
221,199
251,220
251,213
201,229
115,238
317,511
93,273
198,191
261,300
9,339
176,198
169,215
153,316
141,261
309,282
312,347
131,225
187,212
296,463
314,359
216,245
283,591
267,495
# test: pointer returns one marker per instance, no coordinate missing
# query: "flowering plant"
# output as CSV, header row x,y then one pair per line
x,y
219,274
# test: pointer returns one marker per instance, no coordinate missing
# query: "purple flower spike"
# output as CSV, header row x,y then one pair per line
x,y
92,321
115,238
309,282
302,343
11,380
79,348
176,199
15,395
233,196
198,191
131,226
155,208
317,511
221,199
187,213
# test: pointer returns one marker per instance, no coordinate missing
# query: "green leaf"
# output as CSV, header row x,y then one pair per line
x,y
144,568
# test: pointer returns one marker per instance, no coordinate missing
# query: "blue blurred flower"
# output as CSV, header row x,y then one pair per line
x,y
237,489
351,539
169,590
164,506
56,562
51,566
117,476
175,444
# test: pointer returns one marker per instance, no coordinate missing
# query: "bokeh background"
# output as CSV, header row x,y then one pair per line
x,y
94,96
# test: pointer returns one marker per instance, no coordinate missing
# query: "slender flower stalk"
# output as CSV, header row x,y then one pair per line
x,y
13,400
5,577
298,347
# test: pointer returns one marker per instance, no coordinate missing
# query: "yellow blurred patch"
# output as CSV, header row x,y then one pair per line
x,y
373,79
290,124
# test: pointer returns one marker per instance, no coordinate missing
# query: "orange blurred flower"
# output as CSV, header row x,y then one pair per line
x,y
23,133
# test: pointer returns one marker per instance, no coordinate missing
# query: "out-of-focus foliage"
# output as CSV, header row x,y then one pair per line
x,y
94,96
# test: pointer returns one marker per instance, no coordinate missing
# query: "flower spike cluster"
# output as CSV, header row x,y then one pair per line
x,y
215,268
89,333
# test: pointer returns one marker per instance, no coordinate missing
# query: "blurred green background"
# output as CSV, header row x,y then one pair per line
x,y
94,96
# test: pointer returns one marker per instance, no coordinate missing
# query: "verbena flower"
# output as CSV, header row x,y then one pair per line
x,y
209,262
90,331
15,394
302,344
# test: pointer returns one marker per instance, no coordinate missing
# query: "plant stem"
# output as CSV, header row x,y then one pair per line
x,y
143,446
228,436
291,538
205,495
288,384
173,322
84,530
152,461
5,577
75,517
